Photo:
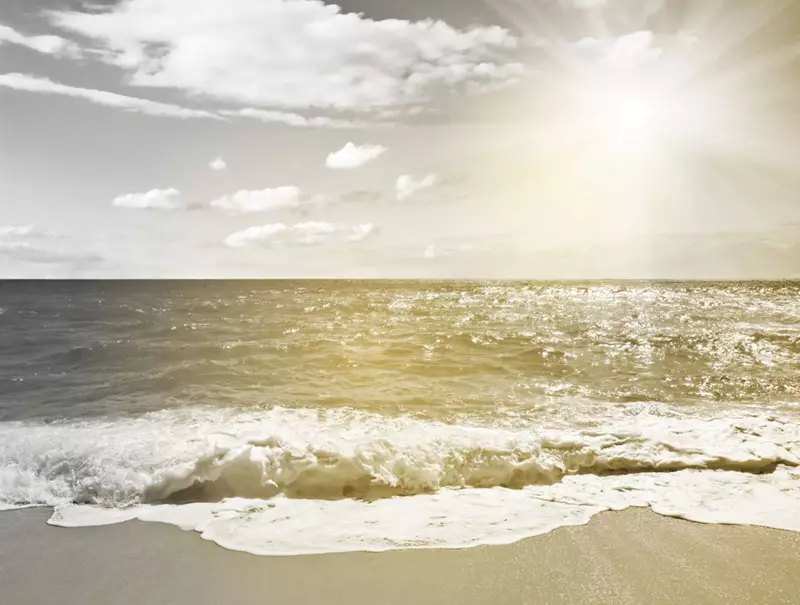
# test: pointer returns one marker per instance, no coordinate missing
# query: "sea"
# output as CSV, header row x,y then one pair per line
x,y
299,417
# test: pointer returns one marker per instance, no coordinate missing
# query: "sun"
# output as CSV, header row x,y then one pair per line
x,y
634,114
635,117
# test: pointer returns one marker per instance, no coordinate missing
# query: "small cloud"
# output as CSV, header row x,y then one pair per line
x,y
628,51
407,185
354,156
361,232
254,235
156,199
430,251
303,234
633,49
23,231
48,45
263,200
218,165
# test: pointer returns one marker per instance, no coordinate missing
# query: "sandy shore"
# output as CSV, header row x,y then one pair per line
x,y
630,557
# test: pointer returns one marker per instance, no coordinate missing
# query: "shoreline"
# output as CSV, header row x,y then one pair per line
x,y
631,556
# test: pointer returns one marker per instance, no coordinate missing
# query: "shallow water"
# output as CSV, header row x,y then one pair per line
x,y
377,415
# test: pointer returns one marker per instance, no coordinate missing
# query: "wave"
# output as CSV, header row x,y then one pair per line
x,y
206,455
196,467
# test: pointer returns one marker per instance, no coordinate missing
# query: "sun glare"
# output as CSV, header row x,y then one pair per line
x,y
632,114
634,117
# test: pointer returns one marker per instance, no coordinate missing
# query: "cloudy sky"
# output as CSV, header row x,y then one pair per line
x,y
423,138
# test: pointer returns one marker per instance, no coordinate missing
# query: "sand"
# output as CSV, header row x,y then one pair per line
x,y
632,556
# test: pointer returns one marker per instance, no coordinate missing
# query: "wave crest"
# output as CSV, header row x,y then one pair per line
x,y
207,456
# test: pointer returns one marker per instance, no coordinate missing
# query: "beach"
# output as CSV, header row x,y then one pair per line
x,y
633,556
408,442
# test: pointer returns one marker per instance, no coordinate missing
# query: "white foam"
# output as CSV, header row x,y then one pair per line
x,y
464,518
289,481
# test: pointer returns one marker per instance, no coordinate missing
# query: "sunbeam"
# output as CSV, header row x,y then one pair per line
x,y
637,117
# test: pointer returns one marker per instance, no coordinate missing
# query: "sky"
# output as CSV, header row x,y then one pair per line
x,y
536,139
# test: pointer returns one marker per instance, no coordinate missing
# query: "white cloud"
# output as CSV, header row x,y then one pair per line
x,y
430,251
27,244
295,119
156,199
49,45
304,234
22,231
218,165
261,200
30,83
361,232
288,53
354,156
408,186
254,235
632,50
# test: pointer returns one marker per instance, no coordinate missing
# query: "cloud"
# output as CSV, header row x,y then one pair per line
x,y
304,234
28,83
361,232
218,165
49,45
156,199
295,119
259,200
289,53
354,156
254,235
633,50
23,231
407,185
29,245
629,51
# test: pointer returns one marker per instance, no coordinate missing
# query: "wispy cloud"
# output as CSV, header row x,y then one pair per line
x,y
156,199
295,119
306,234
27,244
354,156
38,84
29,83
49,45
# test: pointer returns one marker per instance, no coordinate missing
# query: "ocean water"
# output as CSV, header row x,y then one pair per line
x,y
304,417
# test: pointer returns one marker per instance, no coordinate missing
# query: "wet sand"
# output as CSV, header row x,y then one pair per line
x,y
631,557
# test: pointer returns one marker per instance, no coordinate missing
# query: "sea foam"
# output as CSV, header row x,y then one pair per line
x,y
286,481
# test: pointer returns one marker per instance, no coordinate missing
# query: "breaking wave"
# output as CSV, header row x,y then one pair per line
x,y
252,480
207,456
